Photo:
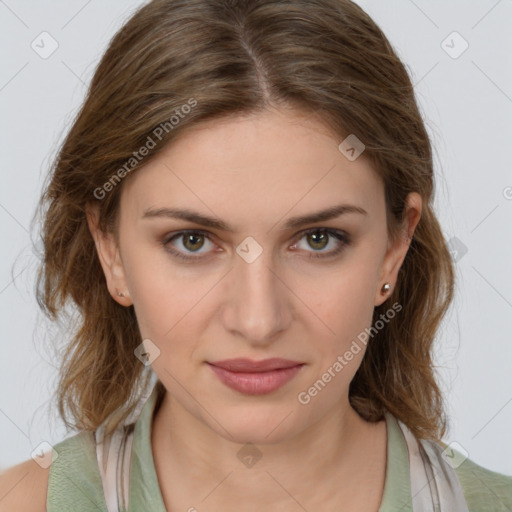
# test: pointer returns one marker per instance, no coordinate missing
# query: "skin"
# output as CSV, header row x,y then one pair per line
x,y
254,172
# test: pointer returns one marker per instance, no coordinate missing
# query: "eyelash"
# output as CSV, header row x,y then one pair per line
x,y
341,236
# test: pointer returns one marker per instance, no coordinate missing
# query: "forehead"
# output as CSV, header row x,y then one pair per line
x,y
257,166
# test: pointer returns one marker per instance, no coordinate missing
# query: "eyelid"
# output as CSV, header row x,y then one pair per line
x,y
343,238
168,238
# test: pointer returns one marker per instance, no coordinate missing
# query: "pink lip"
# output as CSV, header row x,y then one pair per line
x,y
255,377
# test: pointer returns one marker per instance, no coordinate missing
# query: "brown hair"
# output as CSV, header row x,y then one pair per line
x,y
241,56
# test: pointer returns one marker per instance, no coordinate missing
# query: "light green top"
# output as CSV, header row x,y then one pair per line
x,y
75,484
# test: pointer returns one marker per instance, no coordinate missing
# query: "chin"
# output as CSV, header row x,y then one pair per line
x,y
247,425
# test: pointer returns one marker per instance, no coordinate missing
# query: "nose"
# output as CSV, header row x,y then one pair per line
x,y
258,303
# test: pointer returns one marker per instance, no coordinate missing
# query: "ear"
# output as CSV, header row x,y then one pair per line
x,y
398,248
110,259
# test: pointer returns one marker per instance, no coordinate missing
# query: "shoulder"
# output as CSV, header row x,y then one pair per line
x,y
74,481
23,487
71,482
485,489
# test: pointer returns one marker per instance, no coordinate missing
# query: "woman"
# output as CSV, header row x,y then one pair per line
x,y
242,214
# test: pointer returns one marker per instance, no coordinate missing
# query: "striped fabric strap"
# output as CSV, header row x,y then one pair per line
x,y
435,486
114,456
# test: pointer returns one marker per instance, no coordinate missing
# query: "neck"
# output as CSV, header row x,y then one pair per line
x,y
341,444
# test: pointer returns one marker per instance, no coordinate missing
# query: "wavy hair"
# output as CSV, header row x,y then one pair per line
x,y
327,57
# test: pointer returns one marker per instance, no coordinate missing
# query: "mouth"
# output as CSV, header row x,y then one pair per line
x,y
255,377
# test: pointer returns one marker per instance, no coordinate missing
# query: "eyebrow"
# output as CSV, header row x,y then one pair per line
x,y
215,223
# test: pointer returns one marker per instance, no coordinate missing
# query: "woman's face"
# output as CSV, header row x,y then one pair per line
x,y
254,285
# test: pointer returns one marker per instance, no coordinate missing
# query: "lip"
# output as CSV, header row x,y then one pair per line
x,y
255,377
250,366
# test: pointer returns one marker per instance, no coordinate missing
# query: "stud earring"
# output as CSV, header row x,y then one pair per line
x,y
119,294
386,287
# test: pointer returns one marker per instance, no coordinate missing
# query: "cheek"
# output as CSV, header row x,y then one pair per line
x,y
167,298
157,295
167,309
348,295
345,305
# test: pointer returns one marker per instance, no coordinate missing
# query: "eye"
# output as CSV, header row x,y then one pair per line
x,y
192,241
319,238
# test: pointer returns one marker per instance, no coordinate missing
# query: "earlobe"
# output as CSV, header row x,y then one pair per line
x,y
397,250
109,256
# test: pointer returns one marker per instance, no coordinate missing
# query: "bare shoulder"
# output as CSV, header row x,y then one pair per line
x,y
23,487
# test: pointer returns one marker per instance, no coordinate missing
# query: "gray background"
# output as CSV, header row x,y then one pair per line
x,y
467,105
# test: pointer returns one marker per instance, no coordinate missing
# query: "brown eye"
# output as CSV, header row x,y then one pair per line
x,y
320,238
187,242
192,241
